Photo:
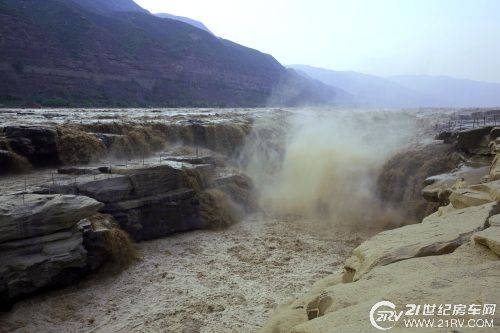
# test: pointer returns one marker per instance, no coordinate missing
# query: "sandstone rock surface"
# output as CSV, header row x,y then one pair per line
x,y
434,236
428,280
40,244
490,238
35,263
38,215
475,195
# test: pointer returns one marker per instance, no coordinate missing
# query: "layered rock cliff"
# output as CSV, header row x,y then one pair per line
x,y
451,257
113,53
159,178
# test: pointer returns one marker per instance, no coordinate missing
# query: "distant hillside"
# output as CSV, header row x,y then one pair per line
x,y
453,92
369,90
113,53
408,91
187,20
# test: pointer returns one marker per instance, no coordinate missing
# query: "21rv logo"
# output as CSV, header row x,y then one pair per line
x,y
383,315
384,312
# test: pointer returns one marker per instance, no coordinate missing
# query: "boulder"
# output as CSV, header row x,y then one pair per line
x,y
158,215
46,261
111,189
105,241
474,141
475,195
34,215
435,235
439,188
494,220
467,197
154,201
490,238
37,143
153,180
468,275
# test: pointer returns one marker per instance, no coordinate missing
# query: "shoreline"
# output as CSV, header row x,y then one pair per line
x,y
452,256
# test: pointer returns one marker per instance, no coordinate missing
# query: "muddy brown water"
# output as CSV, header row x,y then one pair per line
x,y
202,281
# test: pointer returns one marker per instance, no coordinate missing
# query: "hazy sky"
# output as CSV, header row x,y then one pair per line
x,y
458,38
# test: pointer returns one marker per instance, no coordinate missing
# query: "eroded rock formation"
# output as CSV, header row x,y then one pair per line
x,y
22,146
403,178
41,245
452,256
53,233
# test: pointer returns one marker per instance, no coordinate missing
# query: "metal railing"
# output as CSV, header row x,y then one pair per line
x,y
469,122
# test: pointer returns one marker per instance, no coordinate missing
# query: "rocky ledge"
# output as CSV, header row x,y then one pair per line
x,y
54,233
452,256
42,242
48,144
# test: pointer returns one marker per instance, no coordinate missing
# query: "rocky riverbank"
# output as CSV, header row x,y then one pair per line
x,y
75,211
166,172
47,240
451,257
72,139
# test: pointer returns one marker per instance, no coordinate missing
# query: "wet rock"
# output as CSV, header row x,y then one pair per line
x,y
154,201
112,189
158,215
44,243
439,189
474,141
428,280
401,179
38,215
435,235
153,180
78,171
105,241
37,143
35,263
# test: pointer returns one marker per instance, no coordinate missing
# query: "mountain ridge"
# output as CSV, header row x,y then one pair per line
x,y
408,90
71,54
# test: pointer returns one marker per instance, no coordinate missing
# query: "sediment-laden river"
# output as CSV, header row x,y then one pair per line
x,y
315,173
